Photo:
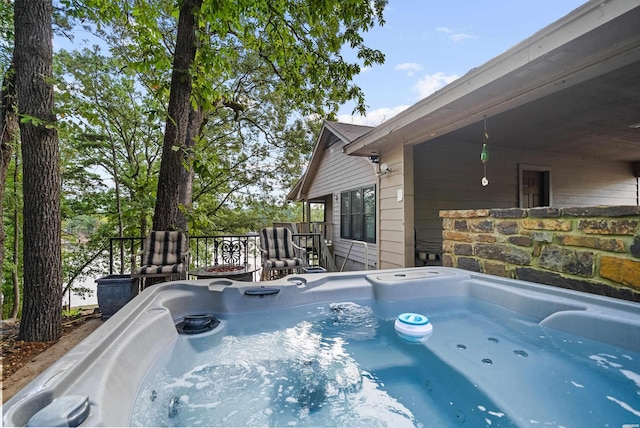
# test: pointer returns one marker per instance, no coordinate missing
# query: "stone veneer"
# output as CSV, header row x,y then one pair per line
x,y
593,249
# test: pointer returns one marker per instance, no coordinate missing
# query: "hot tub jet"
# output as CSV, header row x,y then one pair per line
x,y
195,324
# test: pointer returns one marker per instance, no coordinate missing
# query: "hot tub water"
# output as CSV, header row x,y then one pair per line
x,y
343,365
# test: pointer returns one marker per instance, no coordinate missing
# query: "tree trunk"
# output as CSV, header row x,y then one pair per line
x,y
33,55
185,193
8,135
174,152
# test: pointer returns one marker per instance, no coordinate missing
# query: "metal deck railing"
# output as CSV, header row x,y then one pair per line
x,y
208,250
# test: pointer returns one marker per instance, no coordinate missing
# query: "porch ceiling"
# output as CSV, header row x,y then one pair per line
x,y
571,89
598,119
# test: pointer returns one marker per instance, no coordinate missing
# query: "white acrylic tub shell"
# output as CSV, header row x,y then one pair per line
x,y
109,365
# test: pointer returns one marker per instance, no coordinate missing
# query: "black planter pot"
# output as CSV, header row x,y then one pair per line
x,y
114,291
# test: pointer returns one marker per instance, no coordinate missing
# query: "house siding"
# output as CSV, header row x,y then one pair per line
x,y
391,222
604,183
447,177
336,173
409,206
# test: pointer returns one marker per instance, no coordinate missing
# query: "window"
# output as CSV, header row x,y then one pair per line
x,y
358,214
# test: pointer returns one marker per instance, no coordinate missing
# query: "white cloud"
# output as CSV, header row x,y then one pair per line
x,y
425,87
458,37
432,82
409,67
455,37
374,117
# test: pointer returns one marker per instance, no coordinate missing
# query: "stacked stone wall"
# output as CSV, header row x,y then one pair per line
x,y
592,249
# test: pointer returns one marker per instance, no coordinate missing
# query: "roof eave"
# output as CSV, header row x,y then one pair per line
x,y
581,21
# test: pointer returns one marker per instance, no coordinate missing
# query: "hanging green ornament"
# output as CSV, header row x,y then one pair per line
x,y
484,155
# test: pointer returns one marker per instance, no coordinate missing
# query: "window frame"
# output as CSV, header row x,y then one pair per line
x,y
353,224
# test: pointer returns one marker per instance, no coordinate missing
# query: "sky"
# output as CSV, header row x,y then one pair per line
x,y
429,43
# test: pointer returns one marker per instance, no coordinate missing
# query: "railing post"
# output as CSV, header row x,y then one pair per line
x,y
110,256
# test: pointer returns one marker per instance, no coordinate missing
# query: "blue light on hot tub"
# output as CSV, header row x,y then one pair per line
x,y
413,328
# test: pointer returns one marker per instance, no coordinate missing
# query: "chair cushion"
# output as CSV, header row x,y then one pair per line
x,y
277,242
165,248
157,269
282,263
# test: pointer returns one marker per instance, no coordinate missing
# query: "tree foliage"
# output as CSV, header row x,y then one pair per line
x,y
8,134
263,76
303,43
111,126
6,34
294,50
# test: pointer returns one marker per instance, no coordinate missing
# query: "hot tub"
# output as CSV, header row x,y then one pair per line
x,y
501,353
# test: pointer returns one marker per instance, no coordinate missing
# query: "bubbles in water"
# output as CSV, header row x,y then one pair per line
x,y
174,407
301,375
302,372
352,321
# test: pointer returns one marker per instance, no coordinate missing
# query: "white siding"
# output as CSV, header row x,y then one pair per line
x,y
447,176
589,183
391,222
338,172
409,206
